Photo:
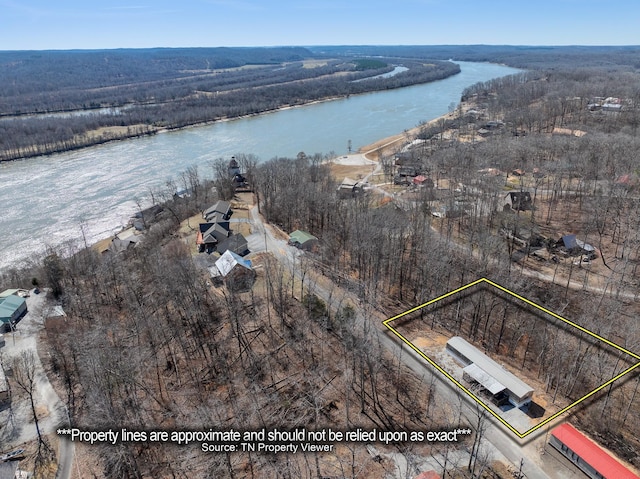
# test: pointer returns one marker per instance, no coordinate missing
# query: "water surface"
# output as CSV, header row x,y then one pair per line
x,y
47,199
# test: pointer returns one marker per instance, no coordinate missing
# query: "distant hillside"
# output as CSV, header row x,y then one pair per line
x,y
33,71
54,101
529,57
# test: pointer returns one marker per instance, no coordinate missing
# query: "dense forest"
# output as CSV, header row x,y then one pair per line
x,y
525,56
585,182
91,97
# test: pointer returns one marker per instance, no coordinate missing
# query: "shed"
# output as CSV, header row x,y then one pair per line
x,y
491,375
12,308
237,272
594,461
303,240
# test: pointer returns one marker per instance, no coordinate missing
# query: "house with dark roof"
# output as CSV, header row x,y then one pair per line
x,y
210,235
222,208
350,188
236,243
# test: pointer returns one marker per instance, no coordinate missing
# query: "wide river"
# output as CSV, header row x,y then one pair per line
x,y
45,200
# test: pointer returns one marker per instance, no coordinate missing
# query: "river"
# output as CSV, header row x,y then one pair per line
x,y
46,199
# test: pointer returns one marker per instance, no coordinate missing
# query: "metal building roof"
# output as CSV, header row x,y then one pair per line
x,y
229,260
487,381
299,236
591,453
511,382
10,304
9,292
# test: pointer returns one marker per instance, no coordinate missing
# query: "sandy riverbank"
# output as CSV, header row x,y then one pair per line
x,y
359,164
393,144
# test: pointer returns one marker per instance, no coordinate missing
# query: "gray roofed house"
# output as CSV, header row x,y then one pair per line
x,y
124,240
235,243
222,207
571,241
488,373
215,233
574,247
217,217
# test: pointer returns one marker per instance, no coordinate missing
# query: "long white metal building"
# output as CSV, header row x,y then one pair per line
x,y
488,373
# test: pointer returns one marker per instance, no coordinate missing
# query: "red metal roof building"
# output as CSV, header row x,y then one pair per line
x,y
428,475
594,461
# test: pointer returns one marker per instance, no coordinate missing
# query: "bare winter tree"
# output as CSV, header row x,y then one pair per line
x,y
25,372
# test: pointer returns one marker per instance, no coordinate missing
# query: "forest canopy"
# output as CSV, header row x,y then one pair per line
x,y
61,100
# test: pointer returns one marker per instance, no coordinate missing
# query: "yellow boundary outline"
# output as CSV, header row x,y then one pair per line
x,y
537,306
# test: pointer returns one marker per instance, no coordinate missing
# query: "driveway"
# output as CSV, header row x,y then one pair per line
x,y
19,426
498,442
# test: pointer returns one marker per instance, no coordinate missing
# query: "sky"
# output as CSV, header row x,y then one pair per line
x,y
88,24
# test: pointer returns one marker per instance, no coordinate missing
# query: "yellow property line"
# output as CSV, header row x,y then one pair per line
x,y
571,323
473,396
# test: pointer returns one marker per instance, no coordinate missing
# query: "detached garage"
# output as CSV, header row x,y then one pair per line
x,y
303,240
12,308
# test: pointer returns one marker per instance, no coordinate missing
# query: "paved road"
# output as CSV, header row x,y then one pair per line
x,y
500,443
51,410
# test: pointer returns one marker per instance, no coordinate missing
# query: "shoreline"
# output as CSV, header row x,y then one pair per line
x,y
373,150
165,129
153,130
